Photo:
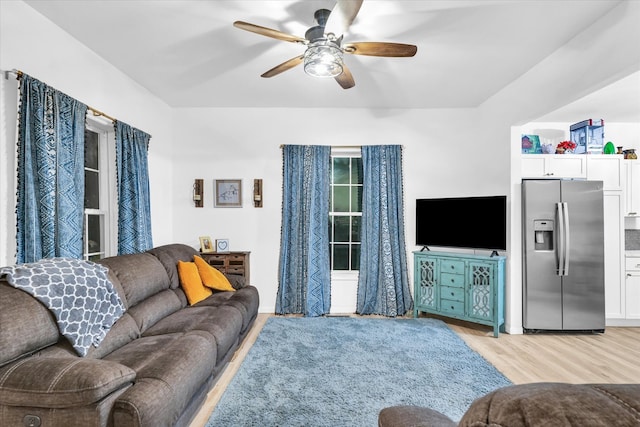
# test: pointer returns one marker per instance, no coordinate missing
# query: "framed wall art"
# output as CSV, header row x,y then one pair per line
x,y
206,244
228,193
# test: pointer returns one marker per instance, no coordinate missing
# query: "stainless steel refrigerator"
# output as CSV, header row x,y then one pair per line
x,y
563,260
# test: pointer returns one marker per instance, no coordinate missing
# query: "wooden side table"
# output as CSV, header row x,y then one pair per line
x,y
230,262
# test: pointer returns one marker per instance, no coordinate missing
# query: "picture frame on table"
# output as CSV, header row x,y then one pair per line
x,y
222,245
206,245
228,193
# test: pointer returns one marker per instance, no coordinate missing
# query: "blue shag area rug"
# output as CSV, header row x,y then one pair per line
x,y
341,371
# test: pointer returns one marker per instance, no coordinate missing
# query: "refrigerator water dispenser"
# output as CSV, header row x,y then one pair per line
x,y
543,233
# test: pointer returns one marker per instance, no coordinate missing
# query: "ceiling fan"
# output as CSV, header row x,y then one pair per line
x,y
323,56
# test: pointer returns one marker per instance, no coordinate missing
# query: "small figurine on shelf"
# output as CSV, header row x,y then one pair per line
x,y
609,148
565,147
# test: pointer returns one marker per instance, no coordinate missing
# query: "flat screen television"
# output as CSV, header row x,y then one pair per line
x,y
462,222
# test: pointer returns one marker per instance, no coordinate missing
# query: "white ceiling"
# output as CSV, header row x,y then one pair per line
x,y
189,54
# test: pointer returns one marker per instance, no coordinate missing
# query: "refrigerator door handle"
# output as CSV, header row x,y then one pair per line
x,y
560,253
567,239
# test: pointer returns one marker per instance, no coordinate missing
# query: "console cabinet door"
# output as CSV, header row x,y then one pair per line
x,y
481,281
426,276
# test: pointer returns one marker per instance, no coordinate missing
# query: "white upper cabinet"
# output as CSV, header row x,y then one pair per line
x,y
554,166
607,168
632,187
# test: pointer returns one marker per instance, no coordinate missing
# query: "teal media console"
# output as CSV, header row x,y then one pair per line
x,y
462,286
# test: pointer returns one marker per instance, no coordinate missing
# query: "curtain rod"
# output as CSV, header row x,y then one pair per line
x,y
332,146
343,146
94,111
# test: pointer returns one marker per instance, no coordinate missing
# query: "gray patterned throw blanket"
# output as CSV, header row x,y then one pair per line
x,y
78,293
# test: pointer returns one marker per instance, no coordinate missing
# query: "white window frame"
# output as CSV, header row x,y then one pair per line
x,y
108,191
347,276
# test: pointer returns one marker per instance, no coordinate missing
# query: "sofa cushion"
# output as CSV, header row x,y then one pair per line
x,y
123,332
169,255
150,311
556,404
245,300
60,382
191,282
169,370
141,275
222,326
212,277
19,338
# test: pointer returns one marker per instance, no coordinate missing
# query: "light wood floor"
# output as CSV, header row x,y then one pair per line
x,y
612,357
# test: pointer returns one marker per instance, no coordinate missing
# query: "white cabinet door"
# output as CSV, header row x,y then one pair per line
x,y
633,288
632,187
633,295
608,169
554,166
533,166
614,256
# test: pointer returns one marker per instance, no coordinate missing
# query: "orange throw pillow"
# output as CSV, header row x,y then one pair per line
x,y
211,276
191,282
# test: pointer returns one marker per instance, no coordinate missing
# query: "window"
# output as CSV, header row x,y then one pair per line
x,y
100,230
345,209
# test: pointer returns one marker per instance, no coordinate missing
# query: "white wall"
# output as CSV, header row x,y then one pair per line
x,y
447,152
54,57
441,157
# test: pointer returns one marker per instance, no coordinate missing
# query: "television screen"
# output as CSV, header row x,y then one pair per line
x,y
462,222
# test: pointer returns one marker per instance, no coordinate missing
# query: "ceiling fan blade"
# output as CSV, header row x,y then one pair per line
x,y
286,65
269,32
345,79
341,17
380,49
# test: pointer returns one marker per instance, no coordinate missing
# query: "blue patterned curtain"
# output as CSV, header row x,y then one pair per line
x,y
383,284
50,173
304,277
134,205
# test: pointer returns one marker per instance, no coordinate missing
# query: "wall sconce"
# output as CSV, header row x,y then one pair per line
x,y
257,193
198,191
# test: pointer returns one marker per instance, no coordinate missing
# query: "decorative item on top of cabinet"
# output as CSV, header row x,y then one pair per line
x,y
588,135
206,244
609,148
230,262
566,147
222,245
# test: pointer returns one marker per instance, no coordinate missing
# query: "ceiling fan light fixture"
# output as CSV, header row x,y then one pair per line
x,y
323,58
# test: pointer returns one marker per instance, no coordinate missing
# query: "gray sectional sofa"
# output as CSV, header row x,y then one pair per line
x,y
154,367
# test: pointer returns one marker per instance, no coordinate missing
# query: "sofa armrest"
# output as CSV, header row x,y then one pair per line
x,y
60,382
413,416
